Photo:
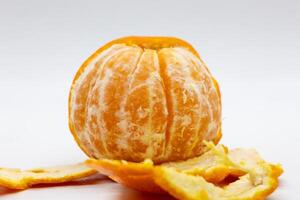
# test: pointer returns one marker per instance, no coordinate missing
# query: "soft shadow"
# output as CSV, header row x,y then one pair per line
x,y
6,191
130,194
90,180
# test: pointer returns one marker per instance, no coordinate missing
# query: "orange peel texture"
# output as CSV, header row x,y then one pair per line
x,y
18,179
260,181
140,98
203,177
138,176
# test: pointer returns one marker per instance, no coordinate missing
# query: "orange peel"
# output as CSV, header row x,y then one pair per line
x,y
212,165
138,176
18,179
198,178
260,181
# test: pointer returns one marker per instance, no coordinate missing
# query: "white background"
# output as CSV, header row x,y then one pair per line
x,y
251,47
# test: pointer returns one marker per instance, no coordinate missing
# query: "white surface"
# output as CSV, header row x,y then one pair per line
x,y
252,47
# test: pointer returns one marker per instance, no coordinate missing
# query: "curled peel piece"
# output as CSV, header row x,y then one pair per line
x,y
204,177
134,175
214,166
18,179
260,181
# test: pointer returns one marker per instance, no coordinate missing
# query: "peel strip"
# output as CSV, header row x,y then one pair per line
x,y
199,178
18,179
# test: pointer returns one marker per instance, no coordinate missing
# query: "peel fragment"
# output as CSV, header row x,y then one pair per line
x,y
18,179
203,177
213,165
260,181
138,176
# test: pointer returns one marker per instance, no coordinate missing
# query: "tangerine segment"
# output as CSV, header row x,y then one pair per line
x,y
260,181
193,102
144,97
18,179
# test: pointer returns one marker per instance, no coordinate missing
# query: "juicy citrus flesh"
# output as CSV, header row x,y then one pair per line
x,y
18,179
139,98
203,177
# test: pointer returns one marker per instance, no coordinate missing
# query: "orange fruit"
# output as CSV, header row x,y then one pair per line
x,y
140,98
143,109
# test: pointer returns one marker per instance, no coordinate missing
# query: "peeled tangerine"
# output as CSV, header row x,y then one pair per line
x,y
147,112
141,98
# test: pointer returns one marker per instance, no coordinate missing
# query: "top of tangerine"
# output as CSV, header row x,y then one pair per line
x,y
151,42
